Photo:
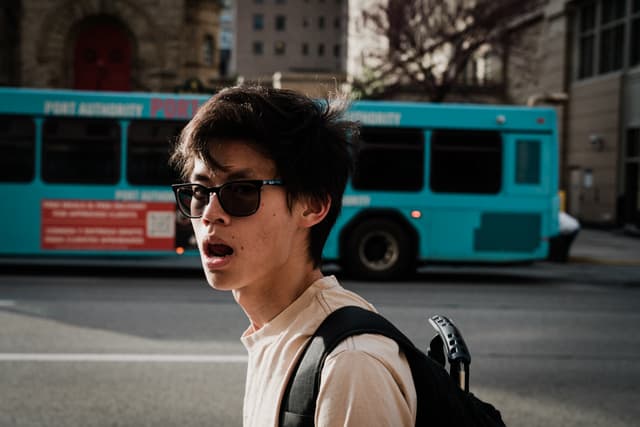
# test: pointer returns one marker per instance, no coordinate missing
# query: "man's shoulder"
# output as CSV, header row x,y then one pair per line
x,y
332,296
369,346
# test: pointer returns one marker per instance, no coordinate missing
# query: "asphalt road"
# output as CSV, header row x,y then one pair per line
x,y
552,345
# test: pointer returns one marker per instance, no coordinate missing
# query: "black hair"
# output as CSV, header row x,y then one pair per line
x,y
309,141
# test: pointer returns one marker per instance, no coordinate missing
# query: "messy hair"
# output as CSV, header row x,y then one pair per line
x,y
310,142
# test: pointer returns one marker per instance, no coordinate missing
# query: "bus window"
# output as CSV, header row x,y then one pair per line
x,y
527,162
17,145
466,161
390,159
148,147
81,151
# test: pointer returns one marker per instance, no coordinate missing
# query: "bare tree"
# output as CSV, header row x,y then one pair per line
x,y
429,43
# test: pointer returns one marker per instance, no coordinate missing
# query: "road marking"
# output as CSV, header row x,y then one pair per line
x,y
97,357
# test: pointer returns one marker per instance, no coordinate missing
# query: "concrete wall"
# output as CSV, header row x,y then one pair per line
x,y
594,113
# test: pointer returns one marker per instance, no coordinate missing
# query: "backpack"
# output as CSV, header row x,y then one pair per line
x,y
441,402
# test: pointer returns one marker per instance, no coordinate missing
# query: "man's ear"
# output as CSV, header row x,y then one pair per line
x,y
314,210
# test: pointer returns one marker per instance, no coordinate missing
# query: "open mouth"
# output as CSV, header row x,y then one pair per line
x,y
219,250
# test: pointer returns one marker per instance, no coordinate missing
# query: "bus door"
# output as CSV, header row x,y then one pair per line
x,y
465,179
530,190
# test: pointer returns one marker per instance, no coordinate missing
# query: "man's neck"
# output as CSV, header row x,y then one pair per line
x,y
263,303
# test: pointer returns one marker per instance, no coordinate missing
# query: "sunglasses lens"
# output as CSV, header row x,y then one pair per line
x,y
240,198
192,200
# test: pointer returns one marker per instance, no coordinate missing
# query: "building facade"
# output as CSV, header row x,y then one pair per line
x,y
590,49
300,44
604,110
147,45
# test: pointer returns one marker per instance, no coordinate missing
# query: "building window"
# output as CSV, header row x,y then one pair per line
x,y
321,22
281,22
305,22
612,35
321,49
257,48
280,48
336,23
587,24
258,21
208,50
305,49
484,69
602,28
613,10
336,50
634,46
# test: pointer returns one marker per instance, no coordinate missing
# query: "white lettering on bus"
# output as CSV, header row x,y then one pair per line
x,y
375,117
144,196
110,109
94,109
356,200
127,194
157,196
67,108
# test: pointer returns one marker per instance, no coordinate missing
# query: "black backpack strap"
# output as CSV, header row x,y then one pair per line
x,y
298,403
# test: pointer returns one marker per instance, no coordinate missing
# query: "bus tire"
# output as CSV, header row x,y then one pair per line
x,y
378,249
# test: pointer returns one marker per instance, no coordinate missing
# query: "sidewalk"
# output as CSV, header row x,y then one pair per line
x,y
612,247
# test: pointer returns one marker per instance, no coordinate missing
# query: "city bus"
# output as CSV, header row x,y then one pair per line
x,y
85,174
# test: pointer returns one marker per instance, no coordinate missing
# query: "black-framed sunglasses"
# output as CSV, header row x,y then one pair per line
x,y
237,198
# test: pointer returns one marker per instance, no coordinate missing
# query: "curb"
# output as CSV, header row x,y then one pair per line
x,y
601,261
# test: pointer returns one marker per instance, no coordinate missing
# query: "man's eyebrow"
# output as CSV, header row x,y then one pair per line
x,y
200,177
240,174
232,176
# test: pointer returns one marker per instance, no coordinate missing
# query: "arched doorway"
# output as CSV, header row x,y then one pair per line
x,y
102,58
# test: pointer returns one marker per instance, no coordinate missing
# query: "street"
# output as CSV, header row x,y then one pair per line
x,y
120,348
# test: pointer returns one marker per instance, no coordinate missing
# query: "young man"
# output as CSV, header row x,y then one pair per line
x,y
265,171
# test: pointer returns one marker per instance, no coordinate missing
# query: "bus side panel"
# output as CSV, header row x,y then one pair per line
x,y
88,220
20,218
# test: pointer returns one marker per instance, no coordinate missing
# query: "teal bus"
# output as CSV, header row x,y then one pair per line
x,y
85,174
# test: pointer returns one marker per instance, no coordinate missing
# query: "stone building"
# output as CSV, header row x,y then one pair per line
x,y
145,45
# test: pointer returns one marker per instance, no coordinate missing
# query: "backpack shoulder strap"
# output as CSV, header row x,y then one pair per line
x,y
298,403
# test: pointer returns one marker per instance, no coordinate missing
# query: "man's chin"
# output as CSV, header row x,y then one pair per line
x,y
219,282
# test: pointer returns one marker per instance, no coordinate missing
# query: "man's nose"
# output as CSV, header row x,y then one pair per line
x,y
213,211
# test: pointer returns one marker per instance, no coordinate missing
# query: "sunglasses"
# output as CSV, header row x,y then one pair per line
x,y
237,198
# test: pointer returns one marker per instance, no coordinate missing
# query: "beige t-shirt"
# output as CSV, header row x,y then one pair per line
x,y
366,380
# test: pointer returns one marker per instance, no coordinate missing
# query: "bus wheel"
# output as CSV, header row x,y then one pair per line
x,y
377,250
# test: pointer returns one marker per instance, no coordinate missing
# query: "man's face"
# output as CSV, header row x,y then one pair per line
x,y
252,252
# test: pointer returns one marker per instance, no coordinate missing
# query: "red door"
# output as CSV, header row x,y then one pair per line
x,y
102,59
